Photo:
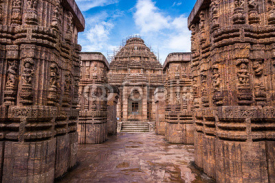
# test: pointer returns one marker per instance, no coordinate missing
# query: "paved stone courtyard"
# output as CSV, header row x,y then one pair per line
x,y
135,157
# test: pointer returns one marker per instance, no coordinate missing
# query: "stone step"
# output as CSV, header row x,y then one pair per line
x,y
135,127
134,130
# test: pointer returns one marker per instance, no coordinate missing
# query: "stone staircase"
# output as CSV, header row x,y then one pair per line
x,y
134,127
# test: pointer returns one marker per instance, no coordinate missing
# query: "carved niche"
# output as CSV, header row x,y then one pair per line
x,y
68,35
56,16
238,16
204,90
27,79
54,84
31,12
1,11
202,27
244,88
259,87
11,84
67,90
193,38
216,84
214,14
253,15
76,89
271,11
16,16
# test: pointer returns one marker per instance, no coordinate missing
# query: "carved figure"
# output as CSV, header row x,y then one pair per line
x,y
32,4
252,4
239,3
258,67
28,72
216,79
11,74
16,3
243,74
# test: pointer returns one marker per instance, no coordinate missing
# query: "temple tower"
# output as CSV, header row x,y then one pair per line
x,y
136,71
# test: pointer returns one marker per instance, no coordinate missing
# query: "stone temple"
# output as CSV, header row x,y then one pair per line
x,y
136,72
211,110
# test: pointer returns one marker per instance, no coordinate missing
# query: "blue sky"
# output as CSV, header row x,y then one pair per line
x,y
161,23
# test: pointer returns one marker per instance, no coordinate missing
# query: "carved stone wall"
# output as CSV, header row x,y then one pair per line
x,y
113,95
92,126
178,112
160,111
233,85
39,75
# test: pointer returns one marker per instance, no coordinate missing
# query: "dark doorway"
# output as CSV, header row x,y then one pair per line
x,y
135,107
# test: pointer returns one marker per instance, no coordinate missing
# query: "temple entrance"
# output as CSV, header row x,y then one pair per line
x,y
135,106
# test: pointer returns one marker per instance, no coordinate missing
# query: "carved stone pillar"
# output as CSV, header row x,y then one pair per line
x,y
234,129
92,125
160,111
178,115
113,96
36,127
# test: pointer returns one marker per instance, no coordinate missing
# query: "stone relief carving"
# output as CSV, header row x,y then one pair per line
x,y
31,13
259,88
203,75
56,16
54,77
253,16
216,82
67,90
244,88
238,16
1,12
27,78
16,16
11,84
202,27
214,14
271,11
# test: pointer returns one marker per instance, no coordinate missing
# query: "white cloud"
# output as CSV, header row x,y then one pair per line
x,y
165,33
149,18
98,30
85,5
177,4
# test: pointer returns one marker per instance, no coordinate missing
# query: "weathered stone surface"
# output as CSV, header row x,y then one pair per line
x,y
136,71
39,74
139,157
160,111
178,112
92,126
112,110
233,73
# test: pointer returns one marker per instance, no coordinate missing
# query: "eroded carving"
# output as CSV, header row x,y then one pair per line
x,y
54,77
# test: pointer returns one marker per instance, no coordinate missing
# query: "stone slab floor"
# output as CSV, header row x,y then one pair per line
x,y
135,157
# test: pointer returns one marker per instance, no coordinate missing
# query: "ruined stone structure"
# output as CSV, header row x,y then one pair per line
x,y
136,71
233,72
160,111
178,111
39,76
92,126
112,110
